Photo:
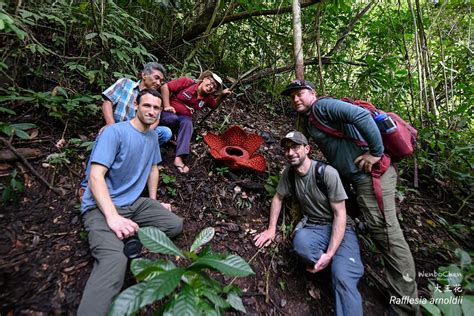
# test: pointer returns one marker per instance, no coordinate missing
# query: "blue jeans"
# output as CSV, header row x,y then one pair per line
x,y
164,134
312,241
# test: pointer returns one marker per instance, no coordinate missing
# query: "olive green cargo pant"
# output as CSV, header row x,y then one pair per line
x,y
399,264
108,274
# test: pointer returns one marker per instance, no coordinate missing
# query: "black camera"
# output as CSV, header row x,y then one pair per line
x,y
132,247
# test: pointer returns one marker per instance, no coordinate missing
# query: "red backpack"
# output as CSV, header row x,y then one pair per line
x,y
397,144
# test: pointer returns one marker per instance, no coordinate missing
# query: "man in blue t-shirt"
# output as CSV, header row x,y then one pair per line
x,y
123,161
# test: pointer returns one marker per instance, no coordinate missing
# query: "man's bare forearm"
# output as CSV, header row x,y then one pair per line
x,y
107,112
338,227
153,180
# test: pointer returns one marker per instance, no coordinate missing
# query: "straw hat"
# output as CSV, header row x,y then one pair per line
x,y
216,78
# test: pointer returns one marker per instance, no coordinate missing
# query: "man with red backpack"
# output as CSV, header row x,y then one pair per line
x,y
370,173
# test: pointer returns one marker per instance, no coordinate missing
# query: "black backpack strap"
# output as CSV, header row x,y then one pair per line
x,y
319,174
291,178
320,169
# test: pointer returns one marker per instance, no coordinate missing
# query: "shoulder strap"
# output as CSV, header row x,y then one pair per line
x,y
319,174
316,122
291,177
363,104
320,169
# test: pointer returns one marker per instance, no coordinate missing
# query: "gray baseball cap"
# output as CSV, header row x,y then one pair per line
x,y
295,137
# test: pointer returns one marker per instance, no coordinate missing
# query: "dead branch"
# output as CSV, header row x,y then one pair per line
x,y
273,71
200,25
30,167
27,153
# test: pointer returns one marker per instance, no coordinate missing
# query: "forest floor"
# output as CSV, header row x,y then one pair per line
x,y
44,256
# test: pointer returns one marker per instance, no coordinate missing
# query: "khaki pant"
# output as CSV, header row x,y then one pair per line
x,y
107,276
399,264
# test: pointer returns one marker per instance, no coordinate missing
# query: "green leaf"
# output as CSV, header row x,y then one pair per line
x,y
204,237
156,241
132,299
451,275
440,299
236,302
20,33
184,304
8,111
90,36
23,126
218,301
145,269
467,304
6,128
431,308
464,257
60,91
232,265
22,134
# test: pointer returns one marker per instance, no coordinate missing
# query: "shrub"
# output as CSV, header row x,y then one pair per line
x,y
188,290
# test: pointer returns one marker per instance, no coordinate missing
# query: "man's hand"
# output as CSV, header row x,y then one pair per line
x,y
322,263
265,238
167,206
169,109
122,227
226,91
366,161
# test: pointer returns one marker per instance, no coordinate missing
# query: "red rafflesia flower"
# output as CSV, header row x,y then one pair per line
x,y
237,149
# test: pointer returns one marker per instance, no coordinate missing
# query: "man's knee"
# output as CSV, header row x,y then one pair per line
x,y
303,247
186,123
164,134
349,272
104,283
169,119
176,227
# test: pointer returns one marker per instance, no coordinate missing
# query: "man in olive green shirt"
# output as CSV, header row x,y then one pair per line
x,y
322,236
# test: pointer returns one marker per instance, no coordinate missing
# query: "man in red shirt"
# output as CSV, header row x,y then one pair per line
x,y
181,97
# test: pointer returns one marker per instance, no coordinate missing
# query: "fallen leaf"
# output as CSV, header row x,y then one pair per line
x,y
60,144
34,133
36,240
314,292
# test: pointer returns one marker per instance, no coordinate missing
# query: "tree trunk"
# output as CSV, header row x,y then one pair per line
x,y
426,61
298,51
418,60
297,40
318,49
